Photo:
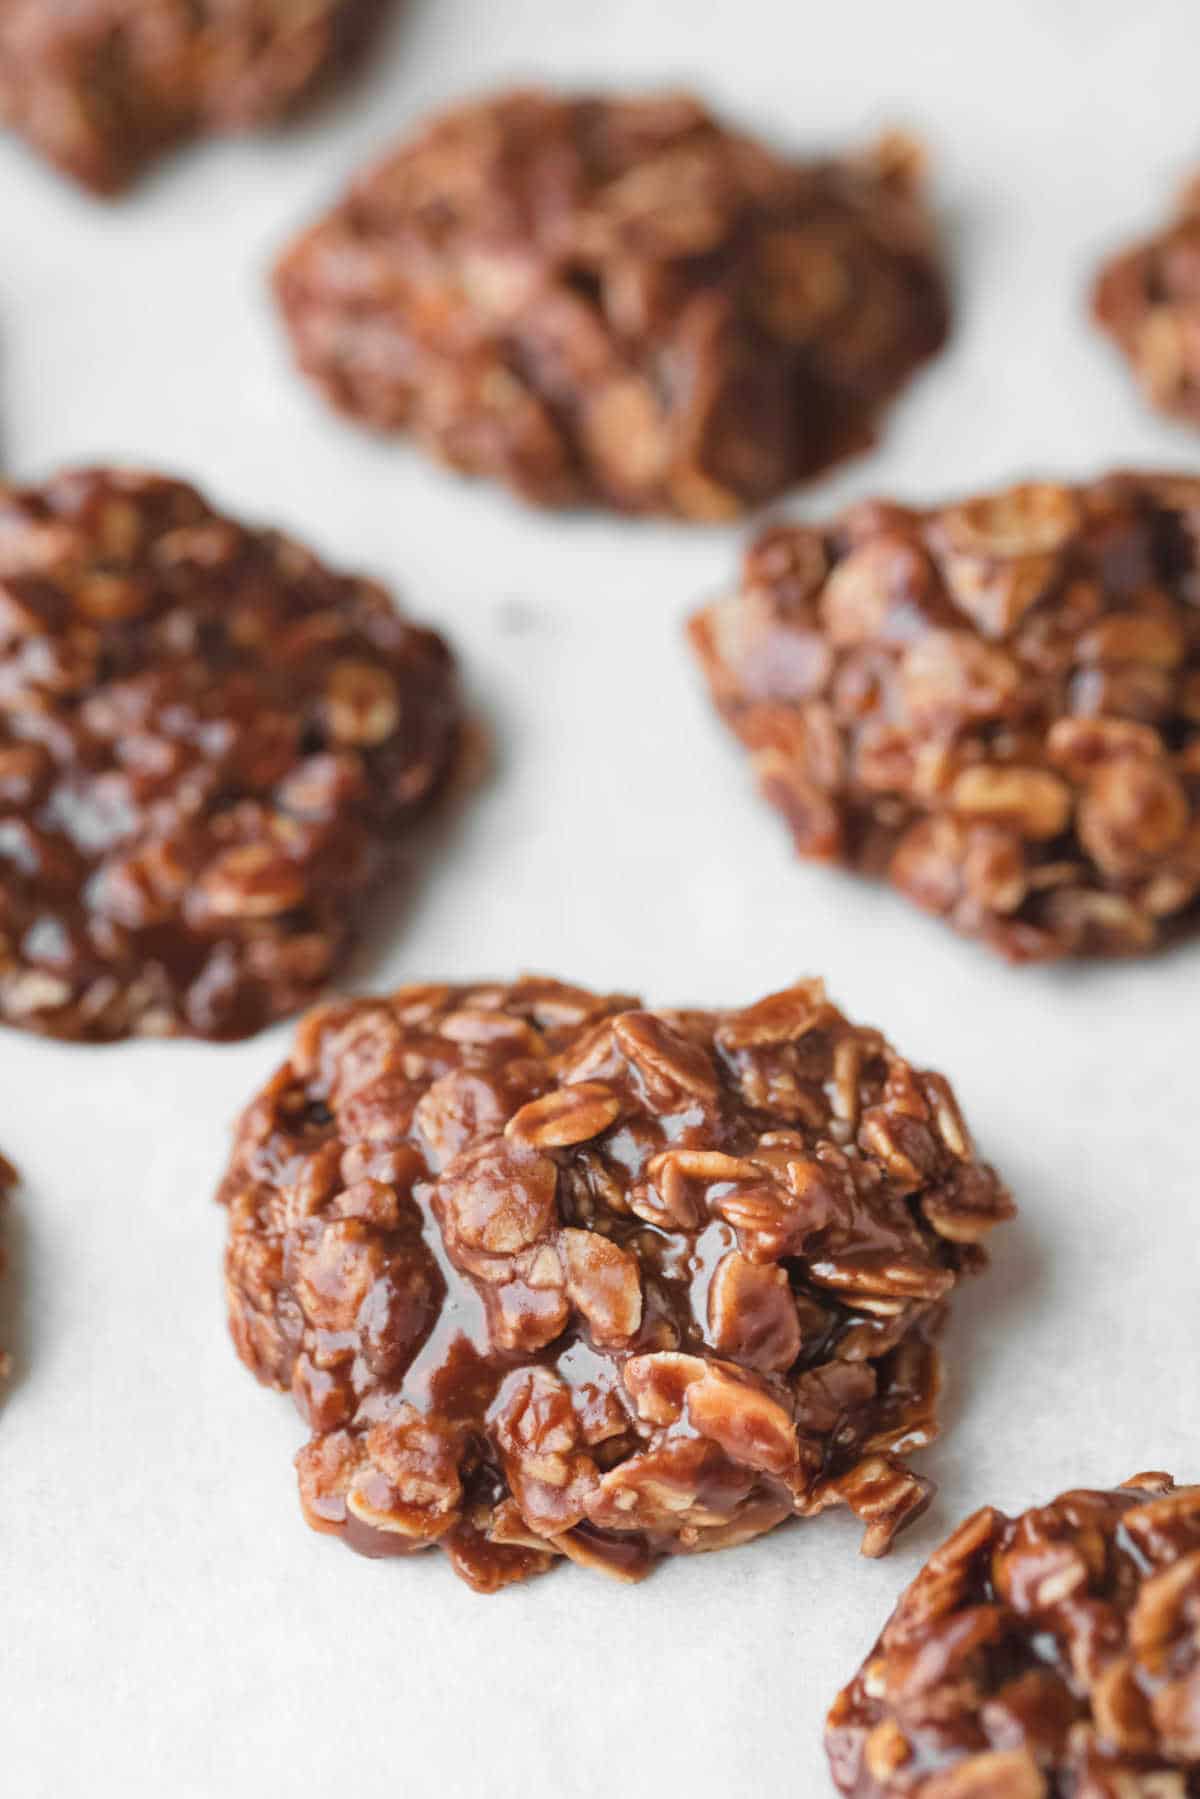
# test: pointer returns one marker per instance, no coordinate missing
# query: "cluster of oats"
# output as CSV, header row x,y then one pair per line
x,y
1055,1653
619,301
552,1275
209,747
100,87
996,705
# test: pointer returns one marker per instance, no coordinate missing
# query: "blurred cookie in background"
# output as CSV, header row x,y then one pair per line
x,y
1147,298
620,302
101,87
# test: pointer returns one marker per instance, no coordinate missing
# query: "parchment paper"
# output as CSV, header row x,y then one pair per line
x,y
168,1625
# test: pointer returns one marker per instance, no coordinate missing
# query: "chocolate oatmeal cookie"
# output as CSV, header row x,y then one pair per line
x,y
994,704
210,746
100,87
619,301
1051,1656
552,1275
1147,299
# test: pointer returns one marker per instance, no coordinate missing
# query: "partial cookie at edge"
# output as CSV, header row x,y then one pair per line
x,y
212,749
994,704
1147,299
102,87
1050,1656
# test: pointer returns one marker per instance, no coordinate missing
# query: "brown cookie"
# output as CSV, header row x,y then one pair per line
x,y
1147,299
994,704
620,302
210,747
1050,1656
549,1274
100,87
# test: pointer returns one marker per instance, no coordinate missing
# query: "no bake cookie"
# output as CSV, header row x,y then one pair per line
x,y
549,1274
1147,298
619,301
100,87
1050,1656
210,749
994,704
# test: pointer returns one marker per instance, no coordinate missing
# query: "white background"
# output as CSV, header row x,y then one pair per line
x,y
168,1625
